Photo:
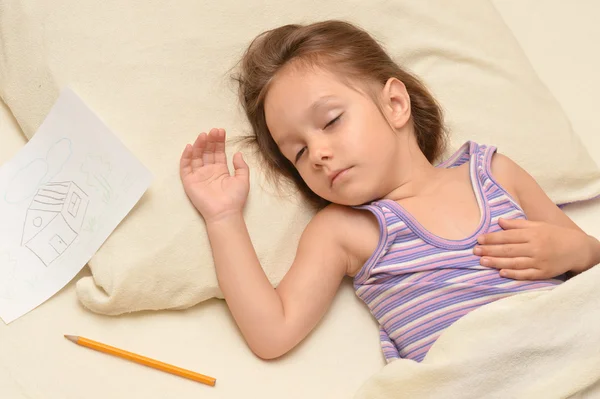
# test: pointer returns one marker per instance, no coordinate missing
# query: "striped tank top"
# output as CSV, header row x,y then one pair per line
x,y
416,284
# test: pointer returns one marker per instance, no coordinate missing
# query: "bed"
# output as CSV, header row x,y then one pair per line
x,y
343,352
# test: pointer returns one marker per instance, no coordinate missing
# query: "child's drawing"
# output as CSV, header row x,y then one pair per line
x,y
40,170
98,171
60,198
91,224
54,219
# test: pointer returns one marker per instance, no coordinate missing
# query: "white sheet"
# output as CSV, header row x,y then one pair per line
x,y
344,350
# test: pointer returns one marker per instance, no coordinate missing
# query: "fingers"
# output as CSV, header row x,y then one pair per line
x,y
209,153
503,251
185,163
191,157
240,166
517,263
198,151
508,224
220,156
503,237
207,149
215,147
512,232
526,274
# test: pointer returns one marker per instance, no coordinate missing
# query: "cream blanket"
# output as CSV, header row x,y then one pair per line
x,y
158,74
543,344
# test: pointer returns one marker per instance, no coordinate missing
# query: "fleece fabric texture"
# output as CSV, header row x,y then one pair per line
x,y
158,74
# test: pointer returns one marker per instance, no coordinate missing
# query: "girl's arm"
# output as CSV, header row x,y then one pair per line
x,y
272,320
548,244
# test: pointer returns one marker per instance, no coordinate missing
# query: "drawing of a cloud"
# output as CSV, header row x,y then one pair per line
x,y
26,181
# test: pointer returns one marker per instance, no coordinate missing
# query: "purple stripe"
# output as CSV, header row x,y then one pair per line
x,y
386,282
434,304
424,329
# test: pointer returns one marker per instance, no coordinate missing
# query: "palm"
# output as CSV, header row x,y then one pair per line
x,y
206,177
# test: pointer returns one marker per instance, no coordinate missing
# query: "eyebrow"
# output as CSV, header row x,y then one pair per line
x,y
312,109
320,102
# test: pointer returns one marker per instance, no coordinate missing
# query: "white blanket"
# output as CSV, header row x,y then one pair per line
x,y
543,344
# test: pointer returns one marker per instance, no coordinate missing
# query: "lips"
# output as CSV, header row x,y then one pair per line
x,y
333,176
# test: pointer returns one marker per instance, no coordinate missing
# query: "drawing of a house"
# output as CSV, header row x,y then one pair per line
x,y
54,219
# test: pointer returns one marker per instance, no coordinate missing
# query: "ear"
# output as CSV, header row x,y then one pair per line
x,y
396,103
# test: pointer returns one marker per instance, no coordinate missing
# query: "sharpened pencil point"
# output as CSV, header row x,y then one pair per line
x,y
71,338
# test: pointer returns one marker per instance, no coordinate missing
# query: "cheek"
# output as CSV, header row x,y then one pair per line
x,y
368,132
306,175
374,146
316,183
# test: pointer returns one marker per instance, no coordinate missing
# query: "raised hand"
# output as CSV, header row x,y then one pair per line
x,y
207,180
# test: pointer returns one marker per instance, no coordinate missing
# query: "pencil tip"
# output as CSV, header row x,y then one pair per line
x,y
71,338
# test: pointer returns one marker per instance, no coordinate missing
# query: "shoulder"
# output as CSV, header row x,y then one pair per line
x,y
510,175
531,197
503,166
353,231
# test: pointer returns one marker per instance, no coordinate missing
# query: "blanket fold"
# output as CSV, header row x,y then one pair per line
x,y
540,344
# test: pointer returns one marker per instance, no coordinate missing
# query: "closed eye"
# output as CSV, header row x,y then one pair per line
x,y
299,154
334,120
331,122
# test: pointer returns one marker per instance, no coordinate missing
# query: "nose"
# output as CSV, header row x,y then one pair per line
x,y
320,152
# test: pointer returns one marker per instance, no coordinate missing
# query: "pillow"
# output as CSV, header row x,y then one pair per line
x,y
159,74
10,135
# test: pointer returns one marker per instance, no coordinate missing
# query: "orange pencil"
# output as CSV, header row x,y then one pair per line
x,y
146,361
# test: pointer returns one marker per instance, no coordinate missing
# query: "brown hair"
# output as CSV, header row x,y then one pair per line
x,y
331,44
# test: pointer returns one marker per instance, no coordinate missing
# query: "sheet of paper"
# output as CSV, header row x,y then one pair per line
x,y
61,197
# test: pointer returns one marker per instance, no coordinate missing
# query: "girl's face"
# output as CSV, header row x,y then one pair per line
x,y
337,138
